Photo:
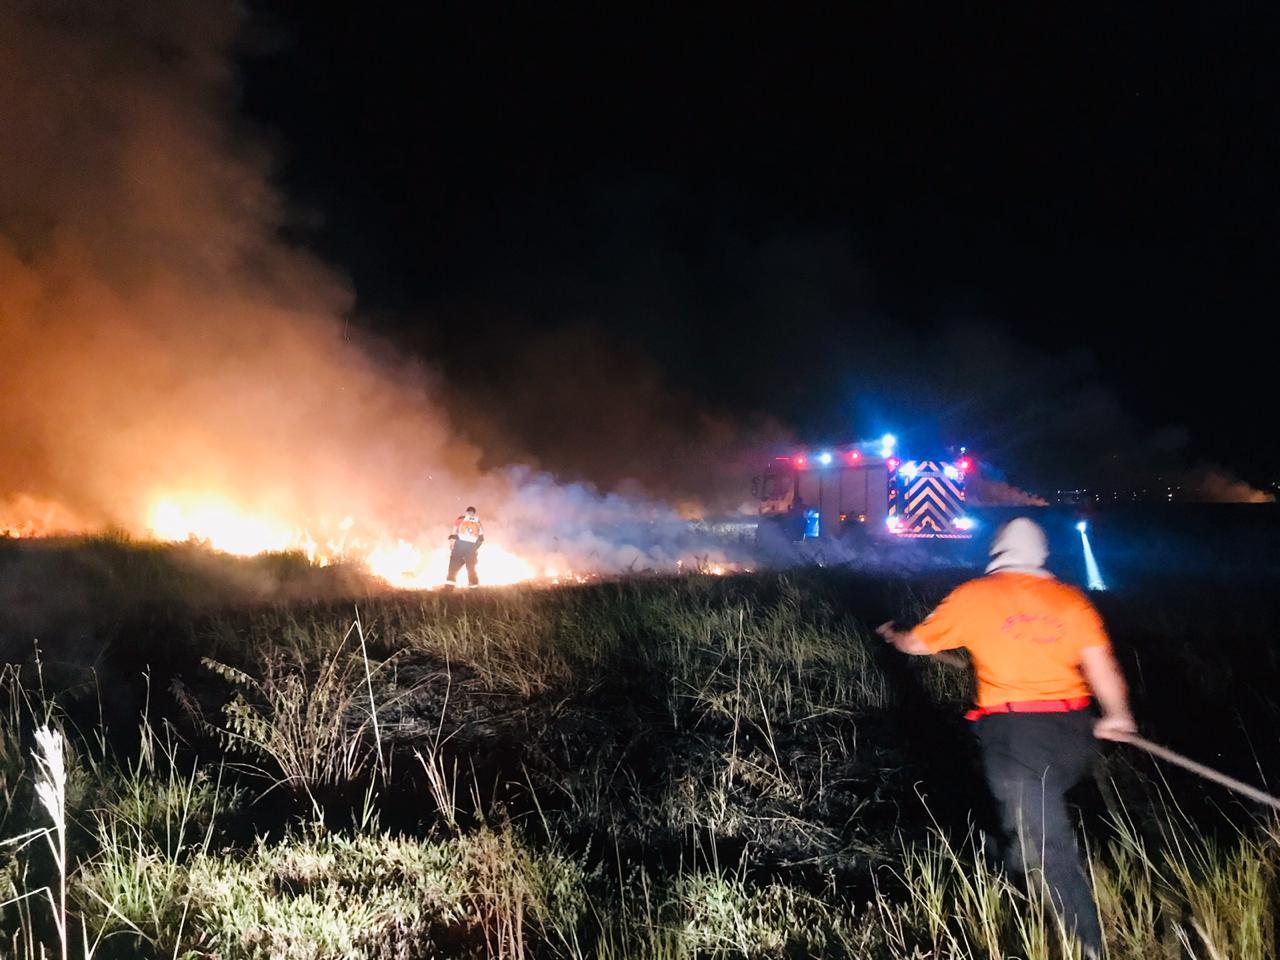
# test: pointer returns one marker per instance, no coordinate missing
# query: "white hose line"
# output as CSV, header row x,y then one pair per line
x,y
1164,753
1177,759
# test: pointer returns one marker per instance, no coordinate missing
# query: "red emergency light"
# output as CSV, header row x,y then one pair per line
x,y
854,456
893,463
964,464
802,461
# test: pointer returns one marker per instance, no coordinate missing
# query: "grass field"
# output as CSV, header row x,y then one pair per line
x,y
202,757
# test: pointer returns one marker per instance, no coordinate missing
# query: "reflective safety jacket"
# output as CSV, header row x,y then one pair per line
x,y
468,529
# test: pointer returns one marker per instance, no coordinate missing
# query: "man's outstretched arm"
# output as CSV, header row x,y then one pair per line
x,y
1106,680
904,640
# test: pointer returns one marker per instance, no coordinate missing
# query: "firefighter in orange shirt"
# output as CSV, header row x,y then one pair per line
x,y
467,536
1042,657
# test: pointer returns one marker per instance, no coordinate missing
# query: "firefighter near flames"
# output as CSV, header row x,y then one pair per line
x,y
467,538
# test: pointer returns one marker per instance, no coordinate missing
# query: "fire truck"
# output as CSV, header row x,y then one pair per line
x,y
864,489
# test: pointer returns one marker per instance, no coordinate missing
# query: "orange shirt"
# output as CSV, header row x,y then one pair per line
x,y
1023,632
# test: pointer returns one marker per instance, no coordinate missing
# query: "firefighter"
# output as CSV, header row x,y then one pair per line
x,y
1042,656
467,536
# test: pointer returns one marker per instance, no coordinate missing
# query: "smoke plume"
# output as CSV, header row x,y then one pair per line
x,y
1216,485
169,361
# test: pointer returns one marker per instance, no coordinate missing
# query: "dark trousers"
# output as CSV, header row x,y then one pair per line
x,y
462,555
1031,760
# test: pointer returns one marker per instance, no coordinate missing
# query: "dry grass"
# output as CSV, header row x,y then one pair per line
x,y
706,771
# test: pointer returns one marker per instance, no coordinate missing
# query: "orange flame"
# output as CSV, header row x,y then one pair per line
x,y
224,526
218,521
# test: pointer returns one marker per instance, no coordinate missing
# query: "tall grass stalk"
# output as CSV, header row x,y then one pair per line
x,y
51,791
51,794
442,784
373,704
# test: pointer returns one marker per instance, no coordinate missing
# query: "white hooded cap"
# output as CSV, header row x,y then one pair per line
x,y
1019,546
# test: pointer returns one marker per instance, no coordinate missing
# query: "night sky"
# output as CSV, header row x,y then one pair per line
x,y
1046,231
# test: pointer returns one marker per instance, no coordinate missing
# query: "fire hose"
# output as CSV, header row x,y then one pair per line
x,y
1167,755
1177,759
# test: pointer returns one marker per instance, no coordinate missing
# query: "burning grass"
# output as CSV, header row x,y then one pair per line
x,y
691,767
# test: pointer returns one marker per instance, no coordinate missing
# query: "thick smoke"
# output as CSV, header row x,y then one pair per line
x,y
159,336
161,343
589,405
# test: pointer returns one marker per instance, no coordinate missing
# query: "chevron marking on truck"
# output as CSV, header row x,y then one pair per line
x,y
933,501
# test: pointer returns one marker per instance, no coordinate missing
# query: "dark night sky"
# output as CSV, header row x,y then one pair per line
x,y
1049,231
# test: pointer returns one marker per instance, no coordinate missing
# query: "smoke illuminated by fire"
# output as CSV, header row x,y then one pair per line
x,y
174,369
